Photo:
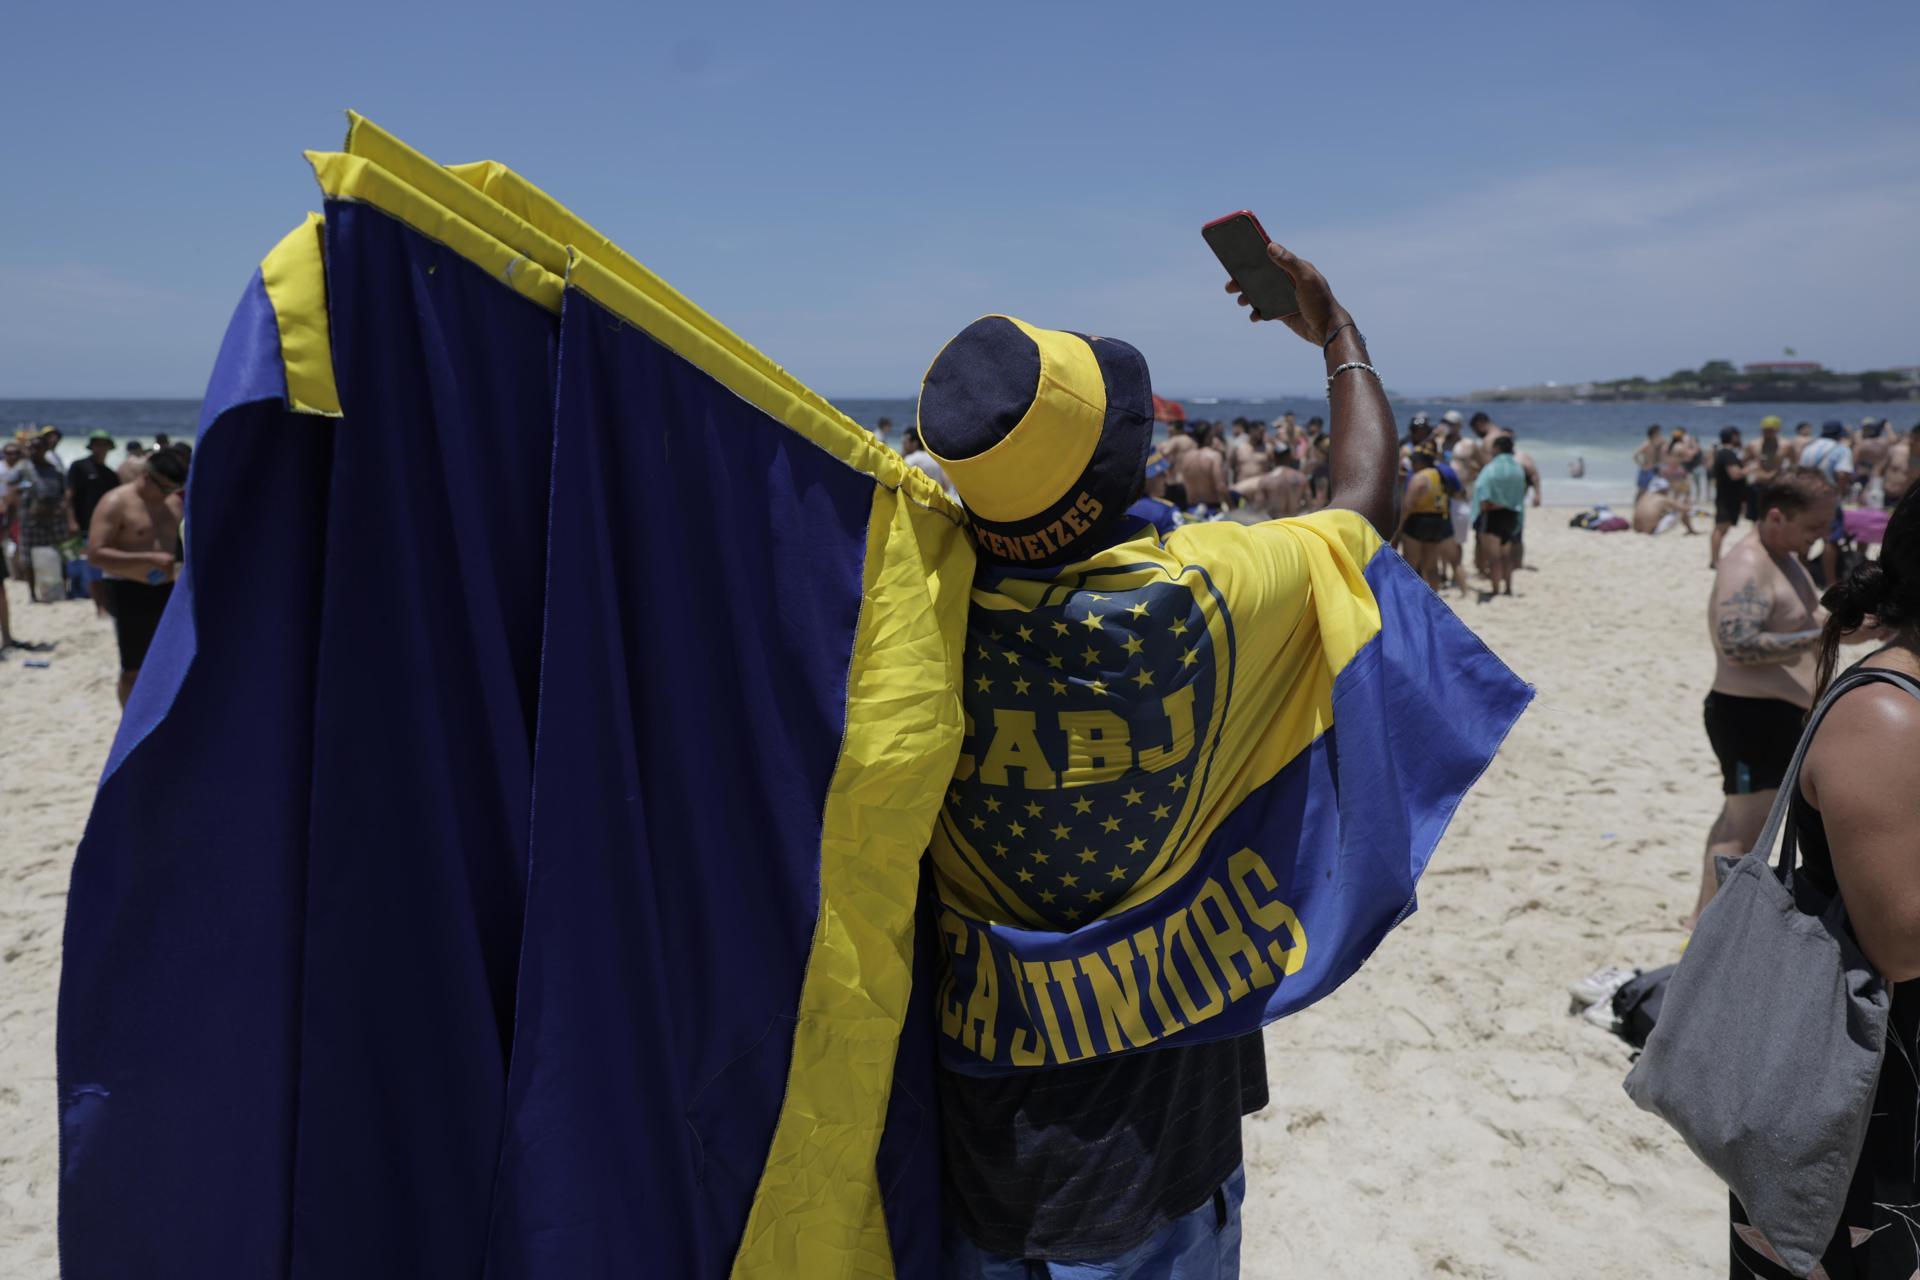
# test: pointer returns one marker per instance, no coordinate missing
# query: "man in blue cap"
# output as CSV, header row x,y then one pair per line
x,y
1127,1165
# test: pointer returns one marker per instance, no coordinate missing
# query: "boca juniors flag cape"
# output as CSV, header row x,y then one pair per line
x,y
498,874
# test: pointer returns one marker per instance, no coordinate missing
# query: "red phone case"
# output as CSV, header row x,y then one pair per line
x,y
1239,213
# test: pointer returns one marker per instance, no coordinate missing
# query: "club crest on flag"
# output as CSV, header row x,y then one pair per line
x,y
1092,712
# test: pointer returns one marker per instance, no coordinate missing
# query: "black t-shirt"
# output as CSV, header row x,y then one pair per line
x,y
1725,458
90,481
1089,1160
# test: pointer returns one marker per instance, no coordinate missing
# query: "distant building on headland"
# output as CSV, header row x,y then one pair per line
x,y
1787,368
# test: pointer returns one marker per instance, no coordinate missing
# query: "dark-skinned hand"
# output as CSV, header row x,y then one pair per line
x,y
1319,314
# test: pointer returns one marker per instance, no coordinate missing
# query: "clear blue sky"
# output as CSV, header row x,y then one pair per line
x,y
1501,193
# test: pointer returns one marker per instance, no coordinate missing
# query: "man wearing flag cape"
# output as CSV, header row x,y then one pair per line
x,y
416,934
1200,774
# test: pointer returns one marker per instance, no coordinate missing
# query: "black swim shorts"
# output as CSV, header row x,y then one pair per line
x,y
1425,526
1502,523
1754,739
1729,501
136,616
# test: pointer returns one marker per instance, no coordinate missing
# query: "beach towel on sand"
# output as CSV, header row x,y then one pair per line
x,y
495,876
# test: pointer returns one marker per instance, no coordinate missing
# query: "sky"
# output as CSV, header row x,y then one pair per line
x,y
1502,194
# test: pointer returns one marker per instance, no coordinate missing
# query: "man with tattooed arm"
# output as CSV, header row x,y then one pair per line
x,y
1765,617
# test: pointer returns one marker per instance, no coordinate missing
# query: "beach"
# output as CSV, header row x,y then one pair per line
x,y
1441,1115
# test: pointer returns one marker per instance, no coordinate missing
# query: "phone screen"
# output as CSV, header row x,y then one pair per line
x,y
1240,244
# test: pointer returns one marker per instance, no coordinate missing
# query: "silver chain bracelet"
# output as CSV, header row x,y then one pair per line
x,y
1351,364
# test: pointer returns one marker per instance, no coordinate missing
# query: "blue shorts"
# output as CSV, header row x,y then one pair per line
x,y
1201,1245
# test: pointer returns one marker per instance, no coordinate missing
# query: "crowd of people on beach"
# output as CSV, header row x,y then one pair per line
x,y
118,526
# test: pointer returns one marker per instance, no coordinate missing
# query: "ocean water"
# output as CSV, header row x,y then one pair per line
x,y
1556,433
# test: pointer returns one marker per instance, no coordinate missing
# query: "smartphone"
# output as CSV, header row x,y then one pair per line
x,y
1240,242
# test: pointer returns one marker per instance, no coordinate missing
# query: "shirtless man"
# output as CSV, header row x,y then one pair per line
x,y
1765,617
1249,455
1899,470
1279,492
135,540
1764,460
1646,459
1660,506
1870,454
1203,472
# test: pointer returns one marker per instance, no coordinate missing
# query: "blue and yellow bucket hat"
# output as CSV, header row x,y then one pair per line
x,y
1043,432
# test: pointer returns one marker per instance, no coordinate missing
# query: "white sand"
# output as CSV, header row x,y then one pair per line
x,y
1441,1115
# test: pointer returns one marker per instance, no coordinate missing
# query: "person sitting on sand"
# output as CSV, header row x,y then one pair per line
x,y
1425,534
1766,618
1729,491
1661,507
1855,813
135,541
1499,492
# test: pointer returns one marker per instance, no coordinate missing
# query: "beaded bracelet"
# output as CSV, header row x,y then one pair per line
x,y
1351,364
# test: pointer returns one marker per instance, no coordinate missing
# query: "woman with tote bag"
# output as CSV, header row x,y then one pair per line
x,y
1856,812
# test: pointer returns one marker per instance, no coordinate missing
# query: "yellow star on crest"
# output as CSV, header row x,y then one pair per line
x,y
1133,645
1025,633
1071,913
1025,875
977,822
1091,622
1095,595
1016,829
1179,626
1058,686
1059,831
1088,855
1179,781
984,652
1046,895
993,805
1160,811
1116,873
1188,658
1082,805
1055,660
1110,824
1033,808
1139,610
1021,686
1132,795
1010,656
1069,880
1040,857
1094,895
1090,655
1144,678
1060,628
1098,686
983,684
1136,844
999,850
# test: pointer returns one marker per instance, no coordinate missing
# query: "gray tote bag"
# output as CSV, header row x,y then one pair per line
x,y
1768,1048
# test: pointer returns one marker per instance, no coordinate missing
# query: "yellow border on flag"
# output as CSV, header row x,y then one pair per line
x,y
295,276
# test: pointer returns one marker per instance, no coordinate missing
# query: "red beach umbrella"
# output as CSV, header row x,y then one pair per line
x,y
1168,410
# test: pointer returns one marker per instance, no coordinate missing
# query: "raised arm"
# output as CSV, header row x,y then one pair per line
x,y
1364,466
1739,625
